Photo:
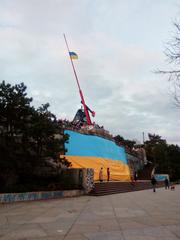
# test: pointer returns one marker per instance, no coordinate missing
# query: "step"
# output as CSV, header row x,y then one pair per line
x,y
106,188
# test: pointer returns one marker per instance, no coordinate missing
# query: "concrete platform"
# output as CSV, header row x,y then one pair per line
x,y
141,215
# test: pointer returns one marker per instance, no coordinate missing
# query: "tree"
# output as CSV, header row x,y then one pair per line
x,y
129,144
28,136
46,132
15,112
165,157
14,108
155,148
172,53
174,161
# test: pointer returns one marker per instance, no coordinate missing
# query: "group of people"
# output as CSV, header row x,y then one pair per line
x,y
153,179
101,176
154,182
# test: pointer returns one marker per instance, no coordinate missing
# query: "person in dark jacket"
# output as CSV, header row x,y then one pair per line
x,y
135,176
166,183
153,182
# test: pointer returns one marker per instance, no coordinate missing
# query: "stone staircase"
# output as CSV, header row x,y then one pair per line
x,y
112,187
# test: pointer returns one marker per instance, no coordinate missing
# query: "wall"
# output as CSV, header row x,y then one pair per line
x,y
30,196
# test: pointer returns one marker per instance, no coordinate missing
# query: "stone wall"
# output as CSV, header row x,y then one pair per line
x,y
30,196
82,177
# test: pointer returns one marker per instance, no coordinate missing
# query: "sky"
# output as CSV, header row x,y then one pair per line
x,y
120,45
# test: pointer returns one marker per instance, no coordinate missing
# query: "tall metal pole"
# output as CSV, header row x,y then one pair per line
x,y
80,91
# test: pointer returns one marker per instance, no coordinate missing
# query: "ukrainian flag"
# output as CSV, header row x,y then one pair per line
x,y
90,151
73,55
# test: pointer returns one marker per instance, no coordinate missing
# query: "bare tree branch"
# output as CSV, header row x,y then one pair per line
x,y
172,53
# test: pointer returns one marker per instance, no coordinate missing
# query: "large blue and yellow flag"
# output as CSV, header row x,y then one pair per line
x,y
73,55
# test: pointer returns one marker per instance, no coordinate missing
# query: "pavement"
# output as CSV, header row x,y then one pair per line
x,y
141,215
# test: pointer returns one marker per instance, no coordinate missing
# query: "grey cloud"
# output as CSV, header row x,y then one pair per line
x,y
117,55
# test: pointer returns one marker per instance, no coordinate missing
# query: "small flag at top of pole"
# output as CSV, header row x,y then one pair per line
x,y
73,55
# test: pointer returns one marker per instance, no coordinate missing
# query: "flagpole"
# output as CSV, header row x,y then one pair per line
x,y
80,91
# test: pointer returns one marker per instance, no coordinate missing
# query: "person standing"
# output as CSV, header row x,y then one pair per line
x,y
108,174
101,175
132,181
135,176
153,182
166,183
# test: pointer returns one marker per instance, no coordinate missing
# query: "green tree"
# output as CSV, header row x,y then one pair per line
x,y
125,142
173,155
166,158
28,136
155,143
15,110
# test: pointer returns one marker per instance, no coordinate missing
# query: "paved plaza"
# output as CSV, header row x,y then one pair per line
x,y
142,215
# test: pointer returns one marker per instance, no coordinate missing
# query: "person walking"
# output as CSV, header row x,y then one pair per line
x,y
108,174
166,183
153,182
101,175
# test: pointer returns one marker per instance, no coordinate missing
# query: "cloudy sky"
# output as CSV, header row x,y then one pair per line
x,y
120,44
